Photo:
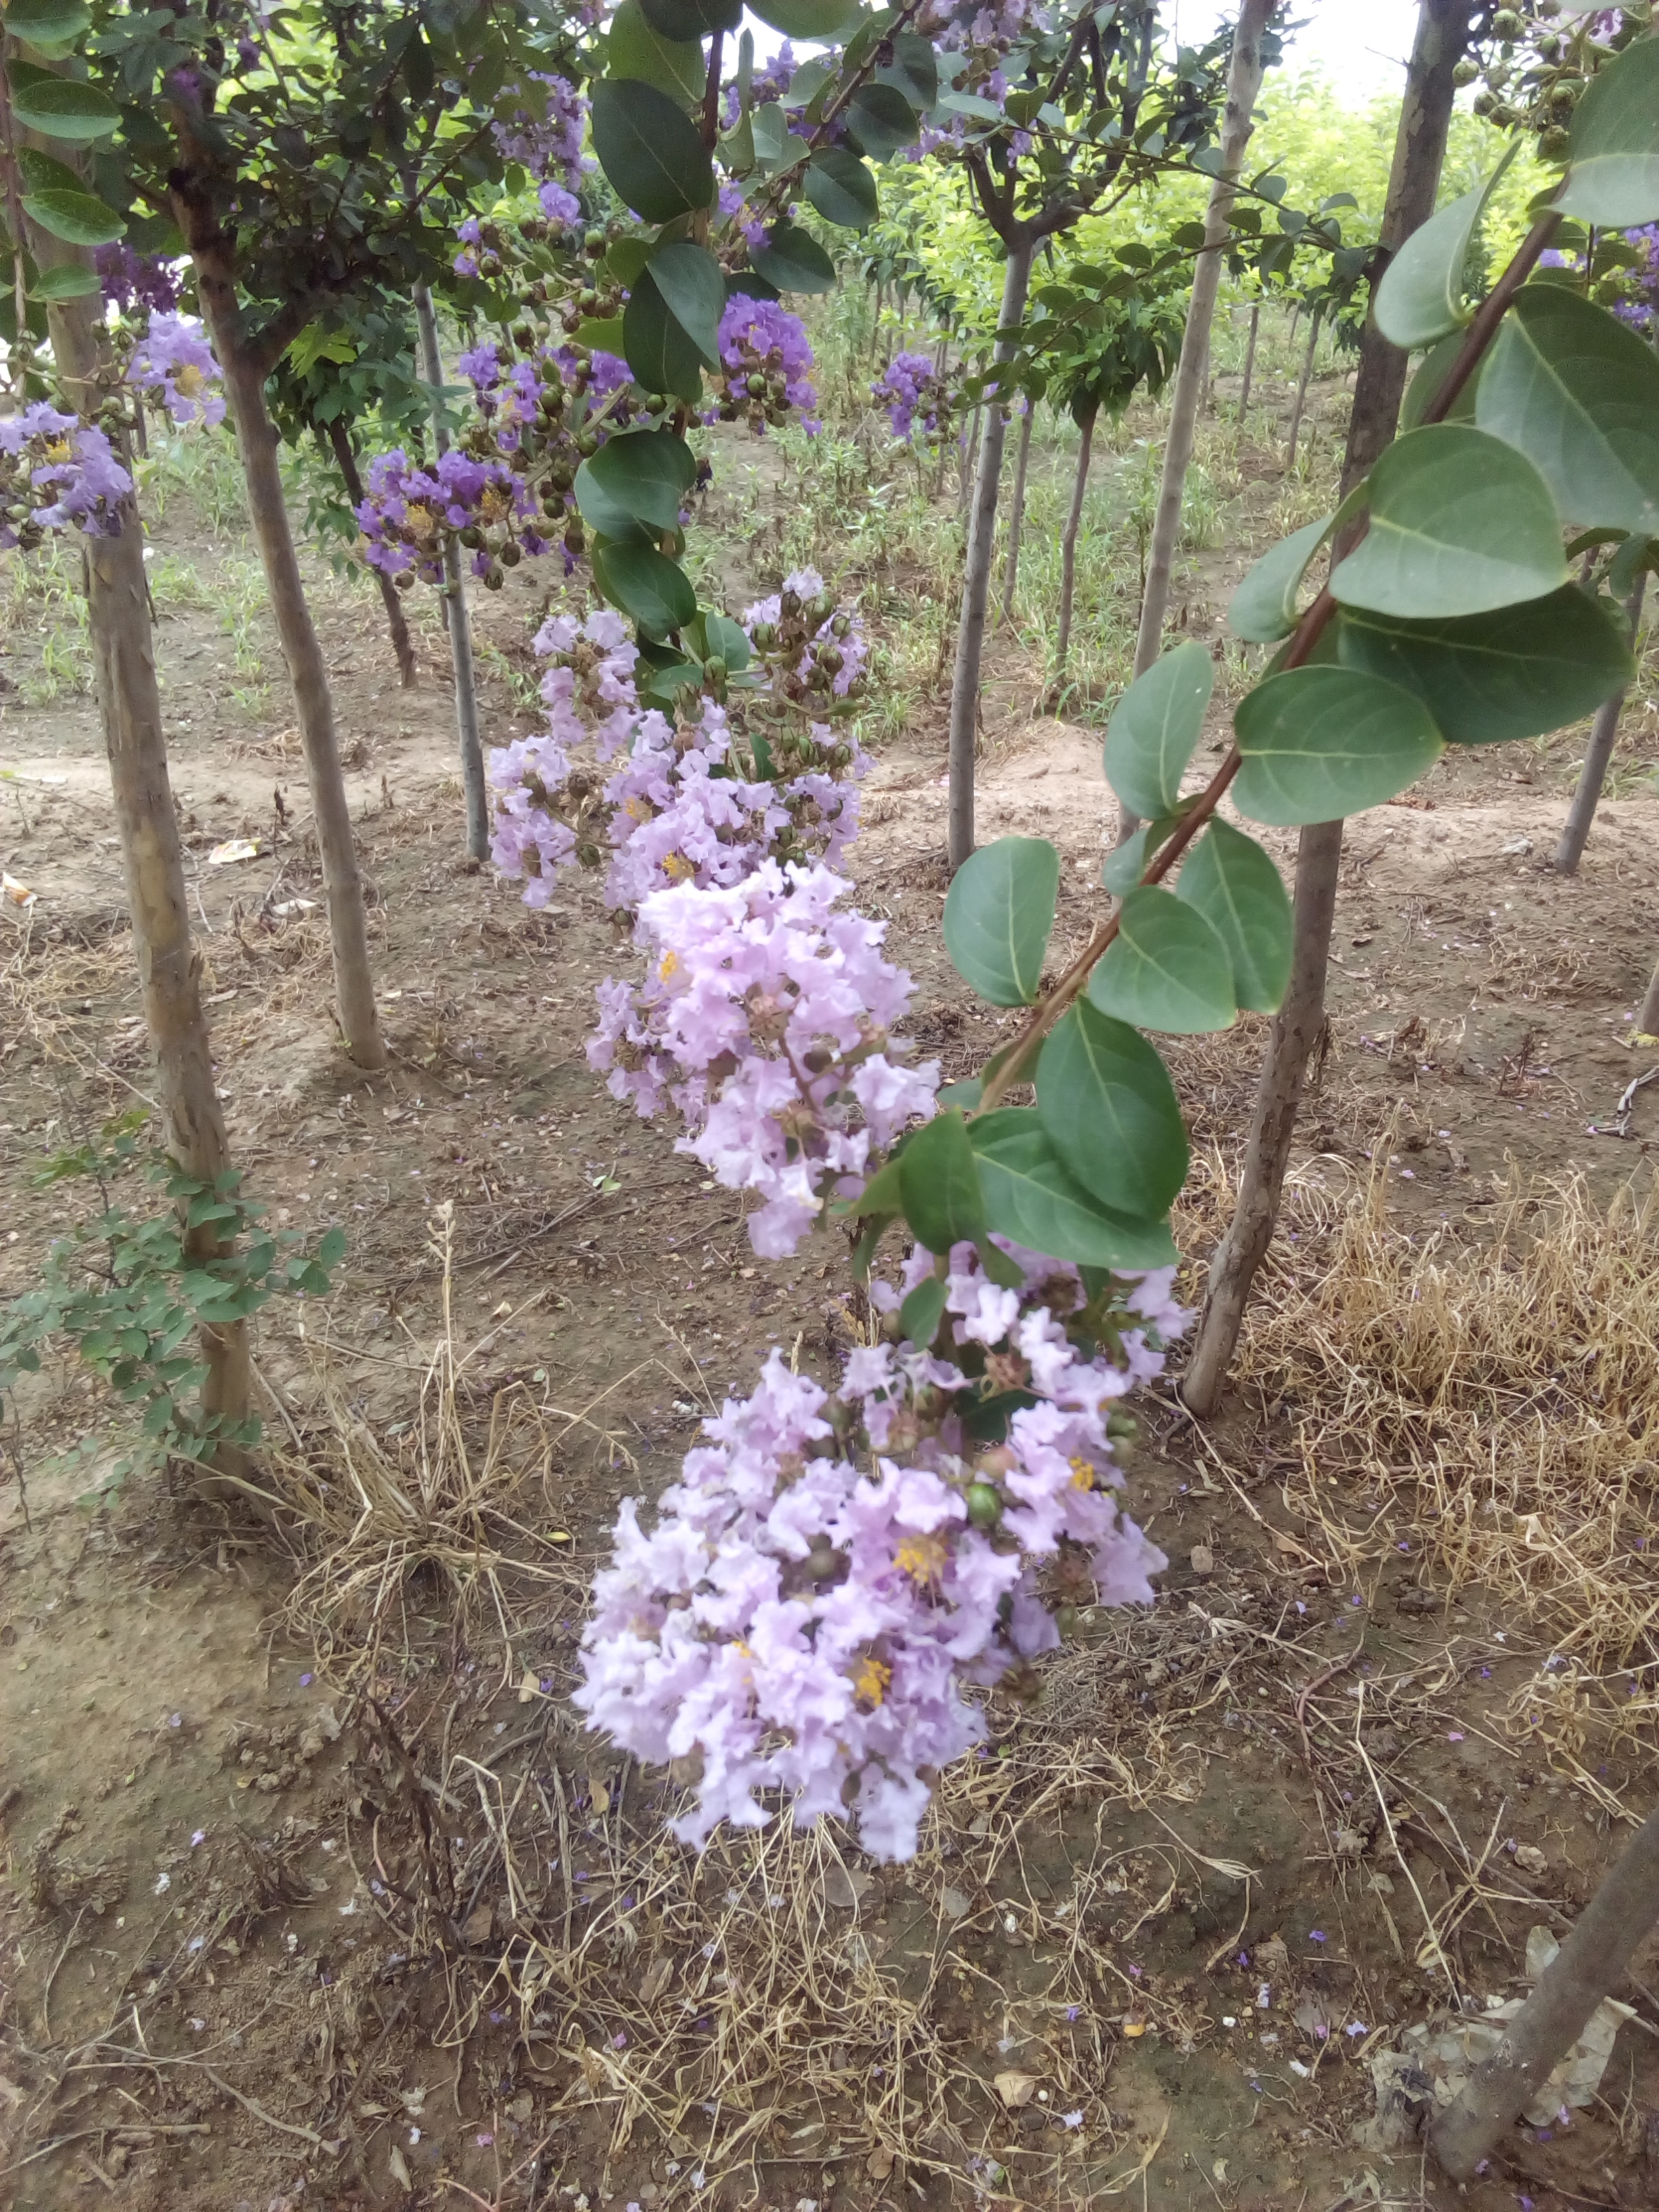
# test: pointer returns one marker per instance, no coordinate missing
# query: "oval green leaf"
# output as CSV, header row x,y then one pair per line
x,y
1263,608
1321,742
656,348
646,585
650,150
75,218
641,476
793,261
1614,179
637,49
940,1186
686,20
46,24
62,107
809,19
1578,393
914,71
1235,885
1030,1197
1110,1111
1427,379
841,187
1518,672
882,120
68,282
1155,726
688,277
1166,969
997,915
1421,296
1460,523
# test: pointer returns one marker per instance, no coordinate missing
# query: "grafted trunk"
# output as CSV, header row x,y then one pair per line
x,y
455,615
1068,550
244,374
1604,732
346,461
976,582
1420,153
1017,515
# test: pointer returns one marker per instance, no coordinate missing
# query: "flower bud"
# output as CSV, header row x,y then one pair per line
x,y
984,1505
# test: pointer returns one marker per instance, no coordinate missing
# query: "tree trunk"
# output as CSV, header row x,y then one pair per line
x,y
1582,1972
1603,731
1243,83
129,709
1419,155
455,614
967,455
976,582
307,671
1250,359
1301,387
1068,552
346,461
1017,515
1647,1021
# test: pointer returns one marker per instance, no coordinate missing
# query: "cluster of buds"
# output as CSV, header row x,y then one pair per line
x,y
1537,61
766,365
814,648
54,470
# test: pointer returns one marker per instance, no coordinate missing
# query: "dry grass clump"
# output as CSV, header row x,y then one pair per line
x,y
1498,1397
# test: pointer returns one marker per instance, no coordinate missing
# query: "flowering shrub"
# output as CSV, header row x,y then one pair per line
x,y
409,507
551,147
831,1573
54,470
766,365
911,388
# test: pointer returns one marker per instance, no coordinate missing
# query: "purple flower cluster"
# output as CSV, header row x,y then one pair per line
x,y
174,358
766,364
831,1573
136,280
409,507
550,149
911,388
833,651
766,1019
55,471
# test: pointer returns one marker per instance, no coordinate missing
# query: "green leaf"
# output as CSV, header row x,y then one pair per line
x,y
1460,523
1110,1111
774,143
656,348
914,71
688,277
684,21
943,1200
1578,393
602,334
1427,380
1517,672
792,259
332,1248
63,107
728,639
1154,727
1030,1198
883,1193
1420,298
636,475
922,1311
1235,885
645,584
43,173
882,120
68,282
841,187
997,915
1322,743
1125,865
637,49
75,218
44,24
650,150
1166,969
809,19
1614,179
1263,608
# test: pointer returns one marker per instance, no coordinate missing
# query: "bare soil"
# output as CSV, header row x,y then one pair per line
x,y
319,1900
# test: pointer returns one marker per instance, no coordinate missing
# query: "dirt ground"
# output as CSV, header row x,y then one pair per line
x,y
318,1896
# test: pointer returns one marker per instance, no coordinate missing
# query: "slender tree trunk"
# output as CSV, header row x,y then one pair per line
x,y
1250,359
129,709
1301,387
1068,550
1296,316
1243,83
1419,155
346,461
1647,1021
976,582
1582,1972
968,456
256,438
1017,515
455,614
1604,730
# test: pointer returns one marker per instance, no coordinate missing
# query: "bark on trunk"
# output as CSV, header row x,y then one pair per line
x,y
1017,513
1604,730
169,969
976,583
455,615
1068,552
1302,388
1647,1021
1249,358
346,461
1582,1972
256,439
1419,155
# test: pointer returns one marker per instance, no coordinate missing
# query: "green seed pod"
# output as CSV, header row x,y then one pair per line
x,y
594,244
511,555
1465,72
472,537
1506,24
1066,1619
1555,145
984,1504
493,577
1485,103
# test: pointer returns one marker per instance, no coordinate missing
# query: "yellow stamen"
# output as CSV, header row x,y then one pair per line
x,y
1083,1475
871,1686
189,380
668,965
677,868
924,1559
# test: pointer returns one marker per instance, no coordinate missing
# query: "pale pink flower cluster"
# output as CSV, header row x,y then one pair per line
x,y
840,634
766,1018
829,1574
